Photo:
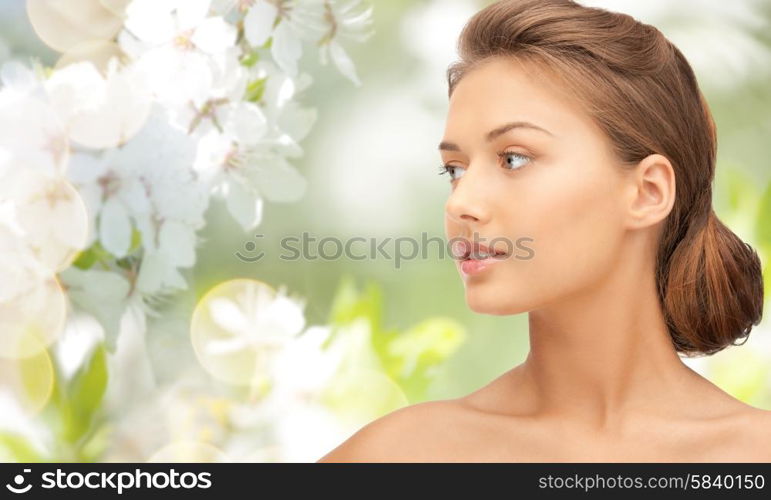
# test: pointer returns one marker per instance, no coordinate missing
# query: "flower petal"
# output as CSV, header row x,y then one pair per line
x,y
244,205
214,35
279,181
286,48
258,23
191,13
178,242
115,228
343,62
228,316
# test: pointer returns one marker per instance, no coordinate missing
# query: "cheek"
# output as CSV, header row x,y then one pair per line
x,y
575,226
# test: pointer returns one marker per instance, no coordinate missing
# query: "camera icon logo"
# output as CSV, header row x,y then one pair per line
x,y
18,480
250,247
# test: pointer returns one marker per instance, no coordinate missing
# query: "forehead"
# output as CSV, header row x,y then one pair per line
x,y
501,90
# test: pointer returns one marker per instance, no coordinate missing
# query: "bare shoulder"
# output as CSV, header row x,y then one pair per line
x,y
752,436
758,426
414,433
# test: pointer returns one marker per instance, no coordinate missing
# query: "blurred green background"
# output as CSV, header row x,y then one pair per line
x,y
371,165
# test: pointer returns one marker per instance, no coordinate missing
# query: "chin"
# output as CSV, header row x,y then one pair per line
x,y
493,303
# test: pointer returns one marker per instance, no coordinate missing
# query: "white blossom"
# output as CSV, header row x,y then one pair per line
x,y
254,318
100,111
32,134
175,42
133,151
348,20
147,185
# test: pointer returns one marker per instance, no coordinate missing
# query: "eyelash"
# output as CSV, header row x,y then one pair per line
x,y
445,169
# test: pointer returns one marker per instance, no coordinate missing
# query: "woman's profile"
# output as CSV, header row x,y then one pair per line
x,y
585,131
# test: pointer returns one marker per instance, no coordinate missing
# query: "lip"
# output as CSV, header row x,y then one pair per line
x,y
464,249
470,256
471,267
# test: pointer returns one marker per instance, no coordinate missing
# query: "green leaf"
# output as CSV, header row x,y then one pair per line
x,y
360,390
350,304
255,90
89,383
136,240
35,376
414,356
93,254
17,448
84,395
269,42
85,259
250,59
95,444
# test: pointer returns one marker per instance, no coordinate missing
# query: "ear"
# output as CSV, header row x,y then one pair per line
x,y
651,191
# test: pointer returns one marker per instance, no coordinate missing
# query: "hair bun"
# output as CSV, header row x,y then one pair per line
x,y
714,289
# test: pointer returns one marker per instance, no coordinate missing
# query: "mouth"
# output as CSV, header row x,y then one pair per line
x,y
465,250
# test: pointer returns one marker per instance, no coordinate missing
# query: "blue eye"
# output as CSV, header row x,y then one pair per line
x,y
452,170
519,162
511,154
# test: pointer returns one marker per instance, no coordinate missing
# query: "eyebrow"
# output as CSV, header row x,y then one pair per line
x,y
449,146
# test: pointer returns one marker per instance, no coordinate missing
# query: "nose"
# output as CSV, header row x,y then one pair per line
x,y
469,200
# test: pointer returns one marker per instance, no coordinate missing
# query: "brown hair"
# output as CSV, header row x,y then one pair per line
x,y
641,91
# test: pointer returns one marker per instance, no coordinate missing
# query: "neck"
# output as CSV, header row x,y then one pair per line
x,y
605,353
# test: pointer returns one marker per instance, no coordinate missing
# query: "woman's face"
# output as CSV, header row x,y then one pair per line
x,y
553,199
